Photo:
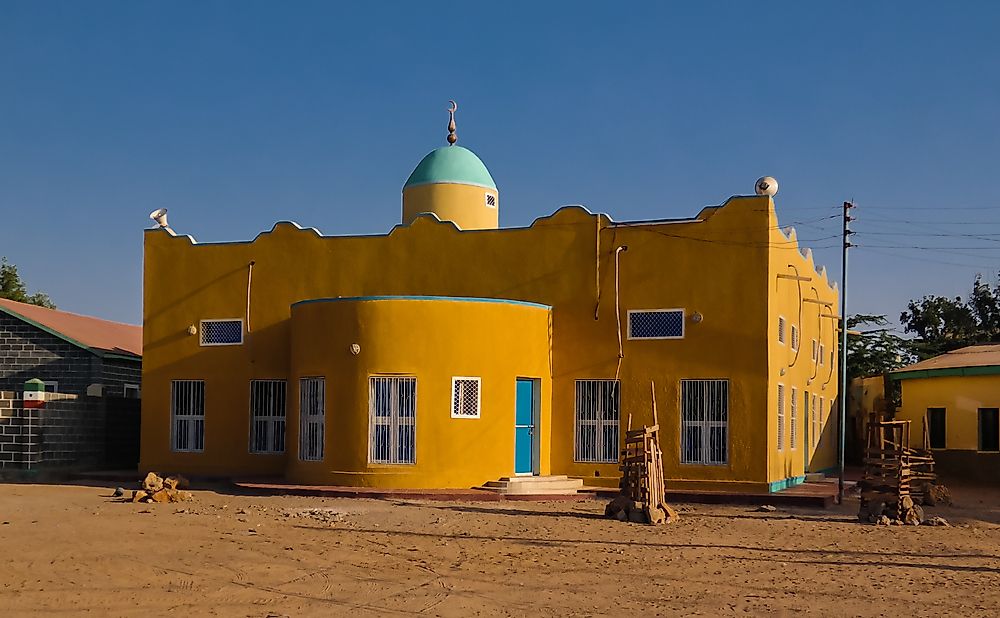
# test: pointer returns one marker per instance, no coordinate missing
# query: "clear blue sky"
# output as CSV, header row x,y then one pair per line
x,y
236,114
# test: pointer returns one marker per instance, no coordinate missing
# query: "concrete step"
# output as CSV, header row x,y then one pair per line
x,y
535,479
535,485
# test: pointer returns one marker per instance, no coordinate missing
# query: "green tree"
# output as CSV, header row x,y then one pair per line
x,y
876,351
13,288
942,324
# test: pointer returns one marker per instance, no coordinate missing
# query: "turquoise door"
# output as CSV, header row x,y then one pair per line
x,y
524,427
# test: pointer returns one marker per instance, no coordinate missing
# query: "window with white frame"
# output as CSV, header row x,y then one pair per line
x,y
656,324
491,200
781,330
822,353
466,397
267,416
221,332
131,391
312,418
705,422
822,411
392,407
794,425
597,421
795,338
781,417
815,351
187,415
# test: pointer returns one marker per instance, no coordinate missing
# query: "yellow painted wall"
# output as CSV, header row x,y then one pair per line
x,y
801,303
464,205
432,340
722,264
961,396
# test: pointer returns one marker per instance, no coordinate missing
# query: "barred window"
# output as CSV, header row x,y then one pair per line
x,y
815,353
794,427
491,200
781,330
781,417
705,422
795,337
597,421
267,416
392,407
816,421
656,324
312,418
187,415
465,397
822,354
221,332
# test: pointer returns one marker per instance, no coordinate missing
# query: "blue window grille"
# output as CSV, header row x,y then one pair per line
x,y
657,324
221,332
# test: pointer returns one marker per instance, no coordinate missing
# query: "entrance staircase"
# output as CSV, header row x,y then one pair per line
x,y
556,485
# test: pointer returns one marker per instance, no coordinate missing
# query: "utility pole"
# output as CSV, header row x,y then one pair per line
x,y
842,425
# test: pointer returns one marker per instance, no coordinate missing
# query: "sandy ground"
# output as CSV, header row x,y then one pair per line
x,y
68,550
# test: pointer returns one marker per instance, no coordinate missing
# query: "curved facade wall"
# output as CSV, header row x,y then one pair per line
x,y
349,341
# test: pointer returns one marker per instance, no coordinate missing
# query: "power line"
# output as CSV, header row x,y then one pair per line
x,y
920,248
923,259
987,236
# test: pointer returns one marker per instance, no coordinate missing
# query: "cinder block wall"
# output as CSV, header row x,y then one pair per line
x,y
69,432
28,352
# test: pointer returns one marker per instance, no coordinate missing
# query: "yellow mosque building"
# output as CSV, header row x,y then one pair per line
x,y
450,352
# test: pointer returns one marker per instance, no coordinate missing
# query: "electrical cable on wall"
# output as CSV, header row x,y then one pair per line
x,y
249,283
819,324
597,270
798,325
618,311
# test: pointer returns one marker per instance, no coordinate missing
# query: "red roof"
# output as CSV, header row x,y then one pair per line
x,y
82,330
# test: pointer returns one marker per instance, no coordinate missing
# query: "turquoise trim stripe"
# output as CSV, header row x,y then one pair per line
x,y
985,370
785,483
460,299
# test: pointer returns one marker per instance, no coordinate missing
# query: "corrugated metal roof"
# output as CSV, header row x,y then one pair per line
x,y
985,355
85,331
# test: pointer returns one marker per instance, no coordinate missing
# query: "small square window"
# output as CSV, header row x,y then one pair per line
x,y
131,391
491,200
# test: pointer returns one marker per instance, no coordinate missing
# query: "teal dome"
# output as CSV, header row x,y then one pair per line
x,y
451,164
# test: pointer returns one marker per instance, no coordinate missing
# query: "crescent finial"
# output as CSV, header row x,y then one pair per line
x,y
452,138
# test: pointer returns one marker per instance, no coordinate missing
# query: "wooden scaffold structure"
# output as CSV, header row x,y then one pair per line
x,y
642,496
898,479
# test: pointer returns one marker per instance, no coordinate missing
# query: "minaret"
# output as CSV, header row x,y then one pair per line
x,y
453,184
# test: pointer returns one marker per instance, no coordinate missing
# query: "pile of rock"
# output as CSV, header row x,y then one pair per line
x,y
623,508
936,494
905,512
159,489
